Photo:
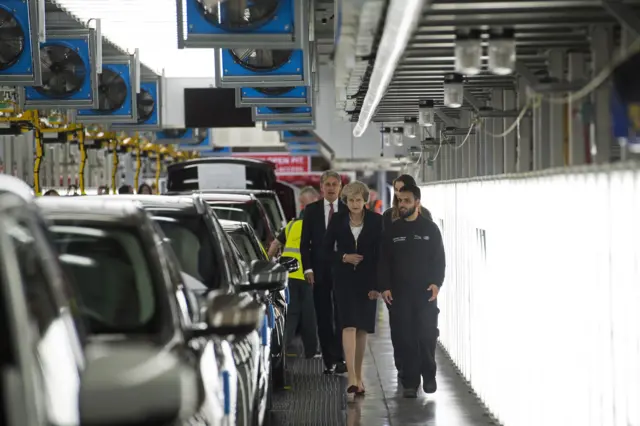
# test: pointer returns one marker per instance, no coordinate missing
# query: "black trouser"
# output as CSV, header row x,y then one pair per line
x,y
417,323
395,337
329,329
301,316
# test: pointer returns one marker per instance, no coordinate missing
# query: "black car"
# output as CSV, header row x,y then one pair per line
x,y
131,289
205,253
249,249
51,374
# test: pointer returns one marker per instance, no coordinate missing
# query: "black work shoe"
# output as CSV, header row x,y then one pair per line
x,y
410,393
341,368
330,370
430,386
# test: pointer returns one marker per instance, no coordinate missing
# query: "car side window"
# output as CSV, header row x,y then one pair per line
x,y
40,298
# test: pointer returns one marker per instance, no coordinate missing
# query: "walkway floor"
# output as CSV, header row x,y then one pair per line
x,y
318,400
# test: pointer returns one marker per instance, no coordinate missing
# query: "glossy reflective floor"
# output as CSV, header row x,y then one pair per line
x,y
320,401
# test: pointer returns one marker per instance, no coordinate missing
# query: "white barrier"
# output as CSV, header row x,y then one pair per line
x,y
541,304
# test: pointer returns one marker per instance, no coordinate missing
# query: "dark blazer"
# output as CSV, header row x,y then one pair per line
x,y
339,241
313,230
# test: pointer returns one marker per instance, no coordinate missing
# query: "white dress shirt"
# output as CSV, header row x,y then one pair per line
x,y
327,209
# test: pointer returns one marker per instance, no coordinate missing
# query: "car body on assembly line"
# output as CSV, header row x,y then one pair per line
x,y
131,289
51,373
205,252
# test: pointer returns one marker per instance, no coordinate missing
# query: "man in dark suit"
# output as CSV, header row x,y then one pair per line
x,y
317,270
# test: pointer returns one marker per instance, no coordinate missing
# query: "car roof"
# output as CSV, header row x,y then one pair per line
x,y
16,186
223,160
222,196
92,208
239,191
185,202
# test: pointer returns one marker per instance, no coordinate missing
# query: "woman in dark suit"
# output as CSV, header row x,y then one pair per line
x,y
352,245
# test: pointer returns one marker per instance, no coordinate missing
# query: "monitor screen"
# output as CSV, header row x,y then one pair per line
x,y
211,108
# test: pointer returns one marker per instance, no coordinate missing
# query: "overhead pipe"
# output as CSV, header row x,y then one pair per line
x,y
402,18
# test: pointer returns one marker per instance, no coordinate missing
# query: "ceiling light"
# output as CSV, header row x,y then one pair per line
x,y
426,114
410,127
398,136
386,136
468,52
502,51
453,90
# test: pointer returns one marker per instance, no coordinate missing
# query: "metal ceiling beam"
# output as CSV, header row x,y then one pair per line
x,y
624,14
473,101
448,121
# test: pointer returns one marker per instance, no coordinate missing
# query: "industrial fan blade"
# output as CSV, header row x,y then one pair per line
x,y
12,40
112,91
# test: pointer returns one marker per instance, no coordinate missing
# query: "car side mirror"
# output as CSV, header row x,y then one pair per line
x,y
227,314
129,384
266,276
291,264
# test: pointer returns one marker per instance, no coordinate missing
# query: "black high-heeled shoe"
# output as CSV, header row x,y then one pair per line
x,y
360,391
352,391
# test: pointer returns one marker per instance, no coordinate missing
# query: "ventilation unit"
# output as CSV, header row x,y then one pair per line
x,y
288,125
186,139
263,113
237,68
69,69
148,104
117,89
274,96
21,30
275,24
298,136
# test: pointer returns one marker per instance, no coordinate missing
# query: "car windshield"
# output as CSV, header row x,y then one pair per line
x,y
246,248
252,215
273,212
192,243
112,276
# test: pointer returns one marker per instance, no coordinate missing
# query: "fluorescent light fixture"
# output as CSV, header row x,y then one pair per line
x,y
426,113
402,19
468,52
453,90
502,52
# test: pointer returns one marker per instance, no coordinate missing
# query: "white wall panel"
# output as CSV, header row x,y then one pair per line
x,y
545,324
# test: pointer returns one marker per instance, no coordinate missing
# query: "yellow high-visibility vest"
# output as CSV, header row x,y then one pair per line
x,y
293,233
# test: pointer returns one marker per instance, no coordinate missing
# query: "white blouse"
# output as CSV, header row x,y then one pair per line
x,y
356,230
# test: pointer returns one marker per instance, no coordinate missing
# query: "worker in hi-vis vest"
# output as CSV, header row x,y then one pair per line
x,y
301,314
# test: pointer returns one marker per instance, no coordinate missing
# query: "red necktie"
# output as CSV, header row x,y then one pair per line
x,y
330,212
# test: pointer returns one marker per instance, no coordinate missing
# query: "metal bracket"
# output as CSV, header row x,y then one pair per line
x,y
448,121
624,14
475,103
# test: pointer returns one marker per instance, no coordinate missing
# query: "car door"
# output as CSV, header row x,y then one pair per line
x,y
57,344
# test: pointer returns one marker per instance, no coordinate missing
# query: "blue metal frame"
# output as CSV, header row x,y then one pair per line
x,y
294,67
20,11
295,93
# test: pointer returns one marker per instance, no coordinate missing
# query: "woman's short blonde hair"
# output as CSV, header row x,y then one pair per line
x,y
355,188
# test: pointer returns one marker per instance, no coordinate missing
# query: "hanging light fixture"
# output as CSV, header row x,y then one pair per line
x,y
410,127
398,136
468,52
386,136
426,113
502,51
453,90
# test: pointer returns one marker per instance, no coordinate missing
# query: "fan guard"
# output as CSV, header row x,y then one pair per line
x,y
273,91
260,60
63,71
175,133
299,133
283,110
146,105
239,15
200,134
11,39
112,91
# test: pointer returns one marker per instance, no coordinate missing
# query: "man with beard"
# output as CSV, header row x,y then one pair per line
x,y
411,274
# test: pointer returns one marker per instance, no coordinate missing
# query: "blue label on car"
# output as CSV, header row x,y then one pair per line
x,y
265,329
226,389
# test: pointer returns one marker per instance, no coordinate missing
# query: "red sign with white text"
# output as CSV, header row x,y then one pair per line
x,y
284,163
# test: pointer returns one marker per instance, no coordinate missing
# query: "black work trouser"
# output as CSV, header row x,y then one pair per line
x,y
301,316
395,337
329,329
417,323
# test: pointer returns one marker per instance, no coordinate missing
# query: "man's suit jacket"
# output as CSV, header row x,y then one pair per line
x,y
311,242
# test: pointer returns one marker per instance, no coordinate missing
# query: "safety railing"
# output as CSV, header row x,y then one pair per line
x,y
541,304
